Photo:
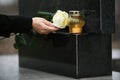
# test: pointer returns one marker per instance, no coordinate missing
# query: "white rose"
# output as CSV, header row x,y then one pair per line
x,y
60,19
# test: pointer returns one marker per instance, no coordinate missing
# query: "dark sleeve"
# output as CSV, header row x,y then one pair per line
x,y
14,24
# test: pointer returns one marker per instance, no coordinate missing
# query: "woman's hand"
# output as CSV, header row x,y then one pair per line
x,y
43,26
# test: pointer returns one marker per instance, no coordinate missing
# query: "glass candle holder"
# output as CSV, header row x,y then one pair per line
x,y
77,22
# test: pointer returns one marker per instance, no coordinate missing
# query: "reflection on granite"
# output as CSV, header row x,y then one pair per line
x,y
27,74
9,70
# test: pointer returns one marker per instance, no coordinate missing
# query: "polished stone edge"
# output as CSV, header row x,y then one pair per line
x,y
48,66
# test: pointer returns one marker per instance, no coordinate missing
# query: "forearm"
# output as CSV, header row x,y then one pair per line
x,y
14,24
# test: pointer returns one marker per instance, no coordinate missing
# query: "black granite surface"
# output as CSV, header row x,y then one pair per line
x,y
70,55
85,55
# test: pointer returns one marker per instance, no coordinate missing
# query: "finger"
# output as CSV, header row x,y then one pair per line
x,y
44,32
49,28
49,23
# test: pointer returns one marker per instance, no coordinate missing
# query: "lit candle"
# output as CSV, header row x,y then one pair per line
x,y
77,22
76,29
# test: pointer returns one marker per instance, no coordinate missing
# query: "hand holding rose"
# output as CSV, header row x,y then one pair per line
x,y
43,26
